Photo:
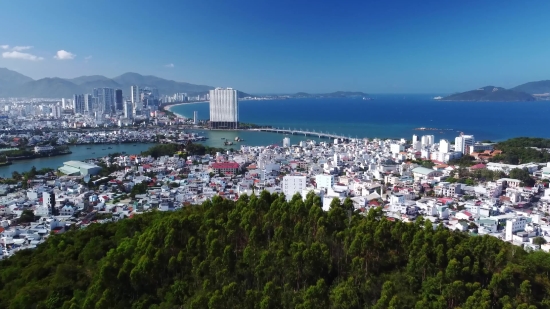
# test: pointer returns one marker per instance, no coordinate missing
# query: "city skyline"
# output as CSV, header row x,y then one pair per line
x,y
394,47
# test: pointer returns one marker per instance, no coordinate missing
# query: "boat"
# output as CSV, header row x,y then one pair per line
x,y
109,147
88,147
223,137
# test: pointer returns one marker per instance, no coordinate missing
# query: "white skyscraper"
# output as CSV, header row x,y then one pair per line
x,y
444,146
293,184
135,92
105,100
415,138
88,103
78,103
128,110
195,117
463,142
224,108
286,142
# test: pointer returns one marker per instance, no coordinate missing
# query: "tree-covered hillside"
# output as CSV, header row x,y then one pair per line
x,y
521,150
263,252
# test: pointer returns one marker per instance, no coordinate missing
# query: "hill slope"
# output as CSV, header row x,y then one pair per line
x,y
45,88
490,93
539,87
87,79
265,250
10,79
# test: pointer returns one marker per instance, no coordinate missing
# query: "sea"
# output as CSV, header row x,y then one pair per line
x,y
385,116
394,116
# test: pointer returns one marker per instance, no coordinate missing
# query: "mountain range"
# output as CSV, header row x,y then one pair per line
x,y
14,84
526,92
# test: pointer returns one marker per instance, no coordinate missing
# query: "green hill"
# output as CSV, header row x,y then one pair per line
x,y
539,87
490,94
264,252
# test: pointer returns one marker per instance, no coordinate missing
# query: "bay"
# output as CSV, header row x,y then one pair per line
x,y
394,116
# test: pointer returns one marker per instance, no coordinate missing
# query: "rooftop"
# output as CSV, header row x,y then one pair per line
x,y
79,164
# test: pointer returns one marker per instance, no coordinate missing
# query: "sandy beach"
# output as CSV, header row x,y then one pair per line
x,y
169,108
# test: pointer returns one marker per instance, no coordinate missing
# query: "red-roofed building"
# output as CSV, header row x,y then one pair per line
x,y
478,167
226,167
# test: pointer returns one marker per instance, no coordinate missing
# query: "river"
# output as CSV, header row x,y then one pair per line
x,y
215,139
79,153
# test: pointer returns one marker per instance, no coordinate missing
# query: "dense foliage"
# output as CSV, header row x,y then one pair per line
x,y
161,150
519,150
264,252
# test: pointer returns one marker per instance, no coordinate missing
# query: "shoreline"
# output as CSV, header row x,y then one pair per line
x,y
169,107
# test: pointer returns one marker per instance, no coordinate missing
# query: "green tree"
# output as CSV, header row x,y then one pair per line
x,y
27,216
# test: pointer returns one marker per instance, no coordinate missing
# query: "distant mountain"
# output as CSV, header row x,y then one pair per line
x,y
164,86
44,88
107,83
87,79
539,87
13,84
490,94
10,79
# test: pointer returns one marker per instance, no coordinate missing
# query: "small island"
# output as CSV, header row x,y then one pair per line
x,y
490,94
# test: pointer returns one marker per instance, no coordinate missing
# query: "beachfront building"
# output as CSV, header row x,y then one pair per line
x,y
224,108
463,143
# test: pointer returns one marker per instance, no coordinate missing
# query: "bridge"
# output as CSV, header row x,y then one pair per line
x,y
302,132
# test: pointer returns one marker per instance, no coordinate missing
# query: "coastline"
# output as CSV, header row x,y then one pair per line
x,y
169,107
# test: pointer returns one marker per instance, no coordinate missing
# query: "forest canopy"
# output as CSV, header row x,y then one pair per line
x,y
265,252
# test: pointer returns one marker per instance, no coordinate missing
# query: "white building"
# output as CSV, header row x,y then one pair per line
x,y
78,103
88,103
463,143
292,185
195,117
324,181
106,100
427,140
286,142
444,146
513,226
396,148
135,94
224,108
128,110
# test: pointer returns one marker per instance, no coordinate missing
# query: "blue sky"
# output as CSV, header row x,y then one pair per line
x,y
284,46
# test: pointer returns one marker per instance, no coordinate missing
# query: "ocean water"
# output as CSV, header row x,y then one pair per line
x,y
395,116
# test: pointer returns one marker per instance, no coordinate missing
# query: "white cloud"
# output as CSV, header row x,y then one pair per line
x,y
64,55
4,46
170,65
21,48
19,55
